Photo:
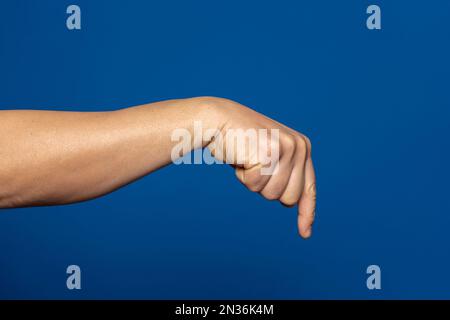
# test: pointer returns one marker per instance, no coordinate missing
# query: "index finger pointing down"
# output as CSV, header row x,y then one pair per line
x,y
307,203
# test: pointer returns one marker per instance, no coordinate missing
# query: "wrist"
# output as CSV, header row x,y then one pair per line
x,y
210,112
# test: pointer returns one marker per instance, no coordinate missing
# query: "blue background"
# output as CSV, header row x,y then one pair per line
x,y
374,103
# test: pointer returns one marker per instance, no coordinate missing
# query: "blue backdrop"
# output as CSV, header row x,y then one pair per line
x,y
375,104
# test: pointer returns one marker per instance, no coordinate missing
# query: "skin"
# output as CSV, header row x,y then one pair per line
x,y
55,158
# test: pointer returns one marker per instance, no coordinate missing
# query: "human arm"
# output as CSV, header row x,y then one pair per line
x,y
54,157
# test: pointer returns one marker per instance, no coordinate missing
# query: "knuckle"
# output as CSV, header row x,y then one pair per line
x,y
308,142
302,146
302,143
289,144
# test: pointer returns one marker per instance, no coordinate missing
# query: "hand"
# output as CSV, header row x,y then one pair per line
x,y
291,182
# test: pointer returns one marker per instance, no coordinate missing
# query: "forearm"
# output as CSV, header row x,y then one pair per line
x,y
51,157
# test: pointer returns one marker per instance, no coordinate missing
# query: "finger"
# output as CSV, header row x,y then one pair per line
x,y
307,204
279,179
294,188
252,178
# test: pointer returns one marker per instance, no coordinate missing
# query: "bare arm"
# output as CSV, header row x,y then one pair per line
x,y
51,157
